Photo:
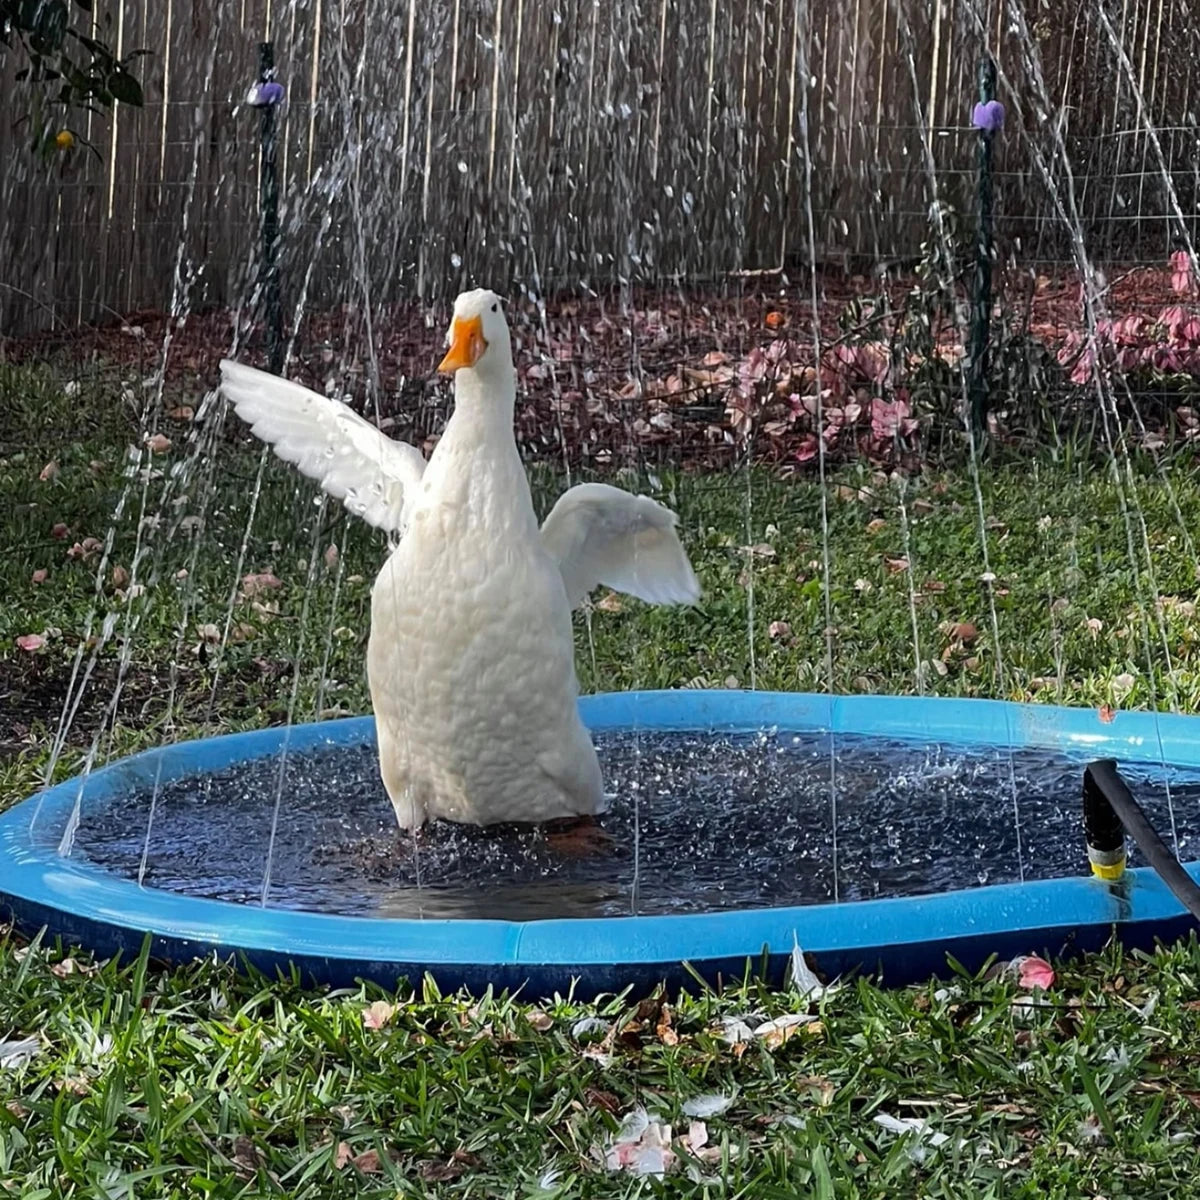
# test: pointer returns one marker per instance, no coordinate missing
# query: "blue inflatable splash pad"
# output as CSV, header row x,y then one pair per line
x,y
879,833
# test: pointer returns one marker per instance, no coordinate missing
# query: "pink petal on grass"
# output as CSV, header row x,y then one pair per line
x,y
254,584
378,1014
40,575
1034,972
31,641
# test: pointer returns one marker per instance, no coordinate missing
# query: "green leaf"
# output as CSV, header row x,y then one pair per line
x,y
125,88
821,1174
49,25
1103,1115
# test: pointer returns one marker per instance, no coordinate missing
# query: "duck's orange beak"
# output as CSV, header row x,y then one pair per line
x,y
467,344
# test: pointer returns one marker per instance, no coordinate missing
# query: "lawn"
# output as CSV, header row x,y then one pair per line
x,y
230,596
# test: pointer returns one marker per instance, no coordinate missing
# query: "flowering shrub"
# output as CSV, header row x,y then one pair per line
x,y
1168,344
778,391
1183,281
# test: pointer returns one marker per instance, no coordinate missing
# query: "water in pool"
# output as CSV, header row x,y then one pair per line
x,y
722,821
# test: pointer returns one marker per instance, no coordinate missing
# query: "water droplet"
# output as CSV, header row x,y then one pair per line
x,y
456,261
462,167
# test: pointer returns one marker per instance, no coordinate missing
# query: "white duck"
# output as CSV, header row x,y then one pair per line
x,y
471,652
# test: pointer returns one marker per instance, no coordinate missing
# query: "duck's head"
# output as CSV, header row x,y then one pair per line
x,y
478,335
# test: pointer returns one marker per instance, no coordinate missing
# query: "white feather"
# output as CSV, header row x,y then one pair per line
x,y
601,535
351,459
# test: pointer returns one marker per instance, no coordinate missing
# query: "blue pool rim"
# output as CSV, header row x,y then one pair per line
x,y
901,939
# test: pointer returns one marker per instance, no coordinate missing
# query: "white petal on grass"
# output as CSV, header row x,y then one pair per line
x,y
94,1046
1118,1057
924,1136
586,1025
709,1105
800,977
642,1145
548,1180
782,1024
633,1125
18,1052
735,1030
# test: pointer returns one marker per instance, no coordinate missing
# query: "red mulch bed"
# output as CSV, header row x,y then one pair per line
x,y
594,376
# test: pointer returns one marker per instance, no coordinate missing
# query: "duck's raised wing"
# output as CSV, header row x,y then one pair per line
x,y
602,535
330,443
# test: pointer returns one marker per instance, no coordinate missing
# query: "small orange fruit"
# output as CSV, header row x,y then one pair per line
x,y
65,139
775,319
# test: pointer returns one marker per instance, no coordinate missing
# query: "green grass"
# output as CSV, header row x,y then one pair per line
x,y
155,1082
197,1082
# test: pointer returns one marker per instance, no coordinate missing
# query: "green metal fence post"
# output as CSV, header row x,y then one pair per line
x,y
981,295
269,208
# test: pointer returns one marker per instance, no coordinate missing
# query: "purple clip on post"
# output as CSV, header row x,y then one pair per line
x,y
261,95
988,117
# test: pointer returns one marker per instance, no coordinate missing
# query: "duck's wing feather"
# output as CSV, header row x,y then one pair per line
x,y
349,457
601,535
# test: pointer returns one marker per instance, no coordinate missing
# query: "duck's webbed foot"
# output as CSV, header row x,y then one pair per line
x,y
577,837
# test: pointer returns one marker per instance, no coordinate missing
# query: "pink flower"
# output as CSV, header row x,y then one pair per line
x,y
1181,273
890,418
1128,330
1165,359
807,450
1083,368
1174,318
751,371
31,641
1070,348
873,361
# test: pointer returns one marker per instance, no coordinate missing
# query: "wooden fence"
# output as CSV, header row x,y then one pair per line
x,y
426,144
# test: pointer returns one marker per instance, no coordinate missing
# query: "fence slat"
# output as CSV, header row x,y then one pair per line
x,y
426,147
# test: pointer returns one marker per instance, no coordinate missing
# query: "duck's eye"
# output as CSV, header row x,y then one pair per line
x,y
495,308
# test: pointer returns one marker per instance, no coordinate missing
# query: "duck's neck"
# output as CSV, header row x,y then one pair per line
x,y
475,469
484,402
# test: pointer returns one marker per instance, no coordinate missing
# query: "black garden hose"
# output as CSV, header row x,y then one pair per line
x,y
1109,812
